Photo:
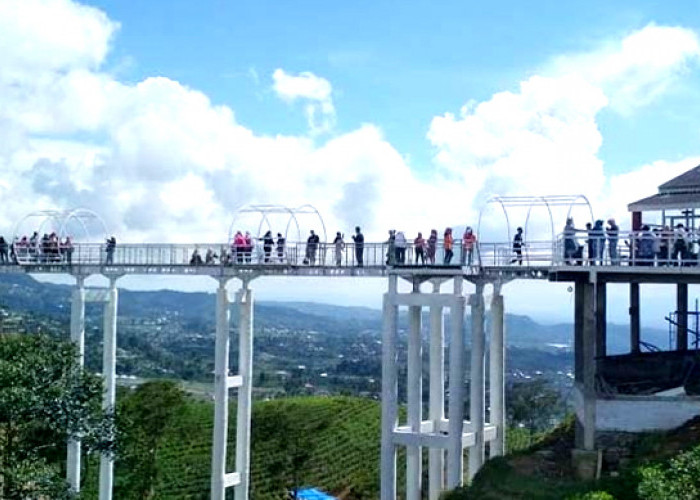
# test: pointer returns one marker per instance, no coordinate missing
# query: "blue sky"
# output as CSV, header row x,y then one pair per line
x,y
396,65
166,116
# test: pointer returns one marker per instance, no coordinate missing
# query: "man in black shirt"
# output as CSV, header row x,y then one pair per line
x,y
359,240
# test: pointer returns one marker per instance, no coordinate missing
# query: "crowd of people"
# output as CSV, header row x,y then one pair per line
x,y
425,250
661,246
601,244
245,249
48,248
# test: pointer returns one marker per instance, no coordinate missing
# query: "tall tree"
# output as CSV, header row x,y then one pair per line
x,y
45,398
533,404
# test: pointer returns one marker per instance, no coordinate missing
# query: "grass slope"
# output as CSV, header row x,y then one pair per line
x,y
332,443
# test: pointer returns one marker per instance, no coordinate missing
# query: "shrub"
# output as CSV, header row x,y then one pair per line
x,y
678,479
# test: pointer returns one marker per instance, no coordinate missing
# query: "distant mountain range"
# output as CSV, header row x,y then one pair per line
x,y
22,292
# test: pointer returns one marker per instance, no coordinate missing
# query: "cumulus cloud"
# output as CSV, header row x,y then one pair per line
x,y
160,162
314,91
638,68
544,137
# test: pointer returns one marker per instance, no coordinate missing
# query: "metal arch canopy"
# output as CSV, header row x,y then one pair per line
x,y
310,209
61,219
81,215
547,201
493,199
263,211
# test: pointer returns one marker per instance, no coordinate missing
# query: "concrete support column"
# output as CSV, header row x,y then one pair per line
x,y
244,299
109,361
456,402
589,349
221,369
436,456
476,401
601,319
414,391
497,353
77,336
389,392
682,308
635,326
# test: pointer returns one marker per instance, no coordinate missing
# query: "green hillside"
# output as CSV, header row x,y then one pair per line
x,y
329,442
645,466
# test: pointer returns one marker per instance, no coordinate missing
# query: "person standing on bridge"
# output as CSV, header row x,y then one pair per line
x,y
518,247
311,248
468,242
400,243
359,240
67,250
597,235
280,247
339,246
109,249
432,246
268,243
572,249
391,248
419,248
613,232
447,243
248,251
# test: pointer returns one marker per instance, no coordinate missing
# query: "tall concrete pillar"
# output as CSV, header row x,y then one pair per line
x,y
682,308
389,393
496,374
436,456
244,298
77,336
221,371
109,361
601,319
414,391
589,349
476,401
455,461
635,326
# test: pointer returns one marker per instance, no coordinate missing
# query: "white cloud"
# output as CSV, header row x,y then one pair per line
x,y
160,162
638,68
544,138
314,90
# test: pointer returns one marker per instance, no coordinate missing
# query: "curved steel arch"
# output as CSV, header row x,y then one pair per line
x,y
550,201
551,217
265,210
493,199
575,203
301,210
80,215
60,220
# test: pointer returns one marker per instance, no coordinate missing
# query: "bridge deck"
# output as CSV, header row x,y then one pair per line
x,y
492,262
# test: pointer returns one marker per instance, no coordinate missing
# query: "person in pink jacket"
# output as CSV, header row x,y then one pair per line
x,y
238,246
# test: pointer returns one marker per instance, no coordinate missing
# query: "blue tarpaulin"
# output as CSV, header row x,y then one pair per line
x,y
313,494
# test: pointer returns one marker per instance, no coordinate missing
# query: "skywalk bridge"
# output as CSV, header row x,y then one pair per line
x,y
438,425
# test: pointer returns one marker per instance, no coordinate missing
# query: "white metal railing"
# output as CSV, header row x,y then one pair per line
x,y
633,249
658,248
